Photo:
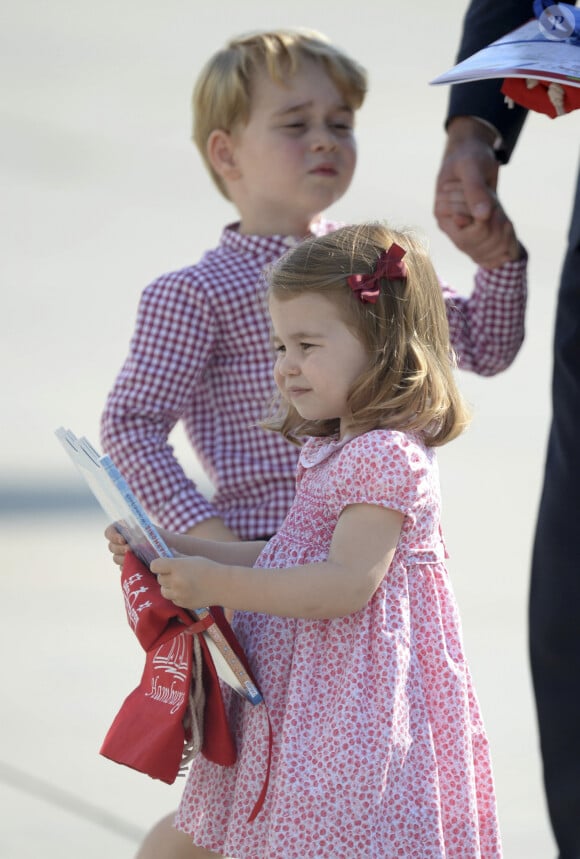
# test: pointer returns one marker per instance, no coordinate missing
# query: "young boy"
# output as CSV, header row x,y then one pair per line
x,y
274,118
274,122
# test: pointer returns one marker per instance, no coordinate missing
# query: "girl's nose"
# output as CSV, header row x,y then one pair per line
x,y
287,365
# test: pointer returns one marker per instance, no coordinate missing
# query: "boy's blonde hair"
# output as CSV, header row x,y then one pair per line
x,y
409,384
223,92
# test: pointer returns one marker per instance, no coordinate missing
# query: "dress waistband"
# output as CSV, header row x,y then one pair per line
x,y
434,555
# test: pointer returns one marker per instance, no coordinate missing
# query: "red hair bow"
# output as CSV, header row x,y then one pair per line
x,y
390,266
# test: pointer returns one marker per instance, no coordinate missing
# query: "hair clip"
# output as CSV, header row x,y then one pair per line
x,y
390,266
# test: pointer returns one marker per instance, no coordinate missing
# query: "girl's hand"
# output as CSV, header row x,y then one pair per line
x,y
118,546
190,582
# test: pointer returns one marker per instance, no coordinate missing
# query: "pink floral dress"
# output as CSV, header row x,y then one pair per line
x,y
378,745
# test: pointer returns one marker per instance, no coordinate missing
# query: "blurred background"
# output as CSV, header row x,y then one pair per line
x,y
102,191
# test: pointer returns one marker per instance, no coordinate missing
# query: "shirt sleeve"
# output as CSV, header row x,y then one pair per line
x,y
169,350
487,328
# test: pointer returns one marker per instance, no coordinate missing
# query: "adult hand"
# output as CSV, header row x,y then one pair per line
x,y
469,158
466,205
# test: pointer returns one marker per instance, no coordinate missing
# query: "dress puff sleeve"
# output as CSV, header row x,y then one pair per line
x,y
384,467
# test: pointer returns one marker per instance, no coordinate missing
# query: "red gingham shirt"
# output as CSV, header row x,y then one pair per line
x,y
201,353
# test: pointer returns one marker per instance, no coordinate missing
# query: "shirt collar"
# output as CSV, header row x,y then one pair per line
x,y
267,247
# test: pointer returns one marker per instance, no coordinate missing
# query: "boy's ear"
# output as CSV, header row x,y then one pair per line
x,y
221,154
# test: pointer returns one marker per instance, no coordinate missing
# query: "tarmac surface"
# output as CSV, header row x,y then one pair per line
x,y
102,191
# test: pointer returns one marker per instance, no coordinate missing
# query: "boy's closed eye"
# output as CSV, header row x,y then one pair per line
x,y
338,126
342,122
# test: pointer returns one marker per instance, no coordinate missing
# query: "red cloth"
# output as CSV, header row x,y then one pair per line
x,y
537,98
147,733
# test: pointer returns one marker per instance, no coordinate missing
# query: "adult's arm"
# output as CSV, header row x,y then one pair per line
x,y
484,22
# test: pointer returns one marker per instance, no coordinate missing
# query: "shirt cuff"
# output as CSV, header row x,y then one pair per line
x,y
509,275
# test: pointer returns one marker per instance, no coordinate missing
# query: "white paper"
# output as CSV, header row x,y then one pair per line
x,y
523,53
122,507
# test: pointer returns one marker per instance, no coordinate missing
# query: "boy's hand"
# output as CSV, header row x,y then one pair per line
x,y
190,582
490,242
118,546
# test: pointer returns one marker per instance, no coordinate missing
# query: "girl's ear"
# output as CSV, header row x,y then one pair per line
x,y
221,154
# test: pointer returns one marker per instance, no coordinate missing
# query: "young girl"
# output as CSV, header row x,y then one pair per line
x,y
347,615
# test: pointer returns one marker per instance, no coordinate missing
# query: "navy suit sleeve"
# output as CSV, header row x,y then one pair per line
x,y
485,21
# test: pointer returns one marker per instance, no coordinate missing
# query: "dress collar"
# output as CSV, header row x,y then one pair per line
x,y
316,450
